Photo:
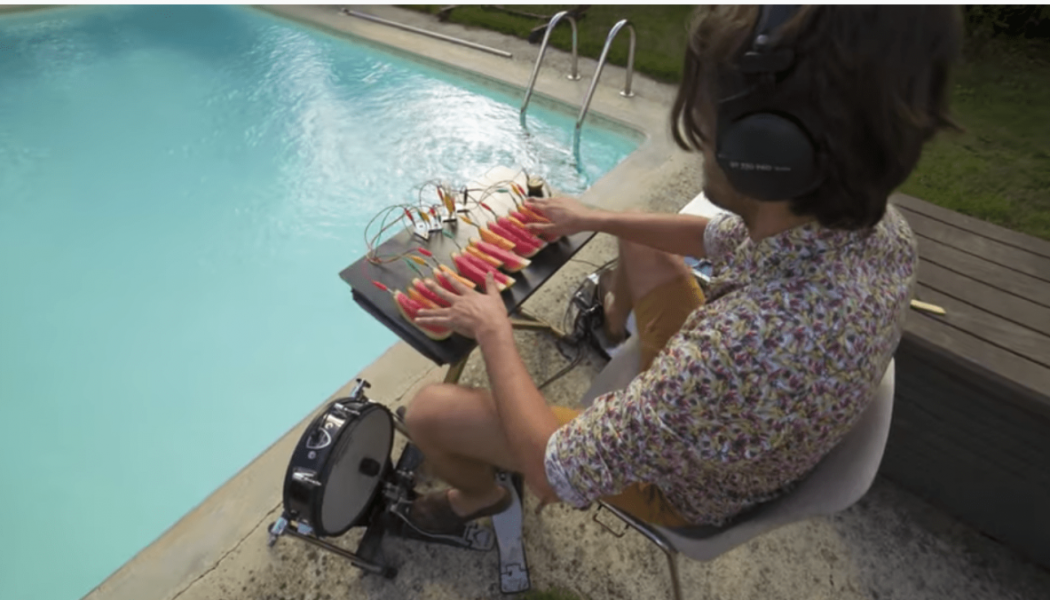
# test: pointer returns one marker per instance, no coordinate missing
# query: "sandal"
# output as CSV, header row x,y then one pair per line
x,y
432,514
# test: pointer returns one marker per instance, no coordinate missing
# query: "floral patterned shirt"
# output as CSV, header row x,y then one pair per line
x,y
760,382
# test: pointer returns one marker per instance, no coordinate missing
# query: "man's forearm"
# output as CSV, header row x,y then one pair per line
x,y
527,421
674,233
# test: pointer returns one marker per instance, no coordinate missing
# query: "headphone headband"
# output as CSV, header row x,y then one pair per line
x,y
764,56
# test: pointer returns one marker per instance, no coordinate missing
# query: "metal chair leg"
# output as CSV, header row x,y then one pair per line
x,y
654,537
672,561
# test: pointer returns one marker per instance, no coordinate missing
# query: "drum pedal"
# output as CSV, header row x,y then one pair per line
x,y
513,569
472,537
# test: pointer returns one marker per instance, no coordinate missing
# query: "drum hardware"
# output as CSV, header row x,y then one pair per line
x,y
513,568
340,477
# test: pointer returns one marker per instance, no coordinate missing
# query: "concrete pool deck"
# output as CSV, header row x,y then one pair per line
x,y
890,545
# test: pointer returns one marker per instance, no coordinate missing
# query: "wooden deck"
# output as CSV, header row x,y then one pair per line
x,y
971,428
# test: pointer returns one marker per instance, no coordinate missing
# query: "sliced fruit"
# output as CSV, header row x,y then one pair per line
x,y
468,270
511,262
495,262
429,294
450,273
525,217
534,215
496,239
521,247
409,308
504,280
414,294
518,228
443,281
475,271
522,222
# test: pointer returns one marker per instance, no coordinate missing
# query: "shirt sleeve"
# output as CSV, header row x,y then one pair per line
x,y
644,433
724,232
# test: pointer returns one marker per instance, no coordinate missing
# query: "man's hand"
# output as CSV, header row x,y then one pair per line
x,y
471,313
567,216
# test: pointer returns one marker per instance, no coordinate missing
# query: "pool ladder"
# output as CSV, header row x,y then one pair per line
x,y
627,93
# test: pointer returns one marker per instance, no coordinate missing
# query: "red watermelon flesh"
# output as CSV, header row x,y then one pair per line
x,y
429,294
485,267
521,247
532,218
519,229
468,270
512,262
409,308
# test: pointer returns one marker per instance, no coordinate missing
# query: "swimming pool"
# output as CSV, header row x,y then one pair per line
x,y
179,188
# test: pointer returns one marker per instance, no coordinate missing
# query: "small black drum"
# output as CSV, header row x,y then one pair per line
x,y
338,468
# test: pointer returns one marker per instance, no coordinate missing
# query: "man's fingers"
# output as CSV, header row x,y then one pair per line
x,y
490,284
440,291
540,227
432,313
461,289
445,322
537,204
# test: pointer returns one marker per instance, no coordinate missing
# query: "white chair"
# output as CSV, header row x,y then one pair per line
x,y
838,481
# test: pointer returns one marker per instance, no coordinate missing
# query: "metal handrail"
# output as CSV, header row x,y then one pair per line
x,y
627,93
439,36
575,75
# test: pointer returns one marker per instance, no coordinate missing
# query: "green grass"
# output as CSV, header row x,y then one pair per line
x,y
998,170
661,32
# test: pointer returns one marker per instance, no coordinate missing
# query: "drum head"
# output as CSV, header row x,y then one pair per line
x,y
355,472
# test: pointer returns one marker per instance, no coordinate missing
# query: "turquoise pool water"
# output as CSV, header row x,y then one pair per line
x,y
179,189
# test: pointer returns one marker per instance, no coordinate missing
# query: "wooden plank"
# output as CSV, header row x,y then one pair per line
x,y
1009,237
1007,509
985,297
1027,381
935,434
1018,284
992,329
1006,257
974,410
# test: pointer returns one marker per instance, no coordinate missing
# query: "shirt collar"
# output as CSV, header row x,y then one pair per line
x,y
789,249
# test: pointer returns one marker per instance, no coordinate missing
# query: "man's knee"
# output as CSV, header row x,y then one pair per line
x,y
427,409
642,258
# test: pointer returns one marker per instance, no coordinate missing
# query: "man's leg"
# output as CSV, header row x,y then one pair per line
x,y
459,433
640,272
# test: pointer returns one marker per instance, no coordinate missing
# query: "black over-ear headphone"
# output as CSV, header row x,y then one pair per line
x,y
766,144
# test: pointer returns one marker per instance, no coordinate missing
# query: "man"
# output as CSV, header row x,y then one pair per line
x,y
741,395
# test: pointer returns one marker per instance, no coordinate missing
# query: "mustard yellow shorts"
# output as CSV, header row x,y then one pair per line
x,y
659,315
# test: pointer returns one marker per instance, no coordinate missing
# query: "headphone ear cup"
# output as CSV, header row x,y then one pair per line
x,y
766,156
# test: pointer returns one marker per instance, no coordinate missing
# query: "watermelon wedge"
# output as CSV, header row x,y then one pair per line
x,y
409,308
414,294
534,214
443,281
421,287
475,272
492,260
496,239
449,273
504,280
525,220
518,228
521,247
511,262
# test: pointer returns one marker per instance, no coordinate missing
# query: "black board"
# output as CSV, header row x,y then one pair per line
x,y
398,275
